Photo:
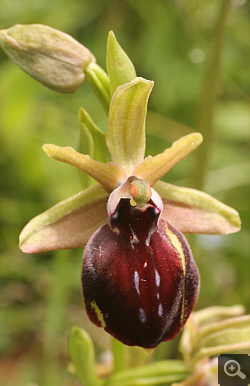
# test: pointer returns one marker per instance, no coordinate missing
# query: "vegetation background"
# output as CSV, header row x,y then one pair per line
x,y
169,42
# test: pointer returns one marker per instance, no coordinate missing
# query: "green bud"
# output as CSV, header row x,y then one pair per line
x,y
48,55
119,67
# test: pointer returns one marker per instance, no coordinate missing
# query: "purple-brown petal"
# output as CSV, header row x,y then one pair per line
x,y
139,278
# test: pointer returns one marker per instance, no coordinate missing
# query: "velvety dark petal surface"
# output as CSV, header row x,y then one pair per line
x,y
191,286
135,277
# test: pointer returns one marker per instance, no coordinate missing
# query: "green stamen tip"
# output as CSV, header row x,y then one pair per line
x,y
141,192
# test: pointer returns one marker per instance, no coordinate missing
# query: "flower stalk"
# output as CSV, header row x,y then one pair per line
x,y
209,95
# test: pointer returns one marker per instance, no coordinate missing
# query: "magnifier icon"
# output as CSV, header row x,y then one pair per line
x,y
232,368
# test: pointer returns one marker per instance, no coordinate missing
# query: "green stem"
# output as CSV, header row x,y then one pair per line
x,y
100,84
119,355
208,98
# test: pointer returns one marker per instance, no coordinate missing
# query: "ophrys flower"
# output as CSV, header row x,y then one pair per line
x,y
139,279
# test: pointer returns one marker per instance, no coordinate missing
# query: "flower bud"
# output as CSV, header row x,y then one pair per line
x,y
48,55
139,279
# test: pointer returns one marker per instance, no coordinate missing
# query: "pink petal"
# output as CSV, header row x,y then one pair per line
x,y
192,211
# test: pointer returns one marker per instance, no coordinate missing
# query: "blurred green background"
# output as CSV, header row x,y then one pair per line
x,y
169,42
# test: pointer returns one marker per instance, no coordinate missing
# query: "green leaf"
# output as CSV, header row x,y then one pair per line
x,y
154,168
125,136
157,373
91,142
82,354
225,339
109,175
69,224
119,355
119,67
192,211
212,331
217,313
238,330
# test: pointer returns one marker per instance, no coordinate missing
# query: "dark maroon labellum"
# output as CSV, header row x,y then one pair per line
x,y
139,279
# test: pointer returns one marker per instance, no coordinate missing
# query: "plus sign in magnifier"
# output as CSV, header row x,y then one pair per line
x,y
232,369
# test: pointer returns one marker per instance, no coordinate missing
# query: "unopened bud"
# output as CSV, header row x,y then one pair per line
x,y
48,55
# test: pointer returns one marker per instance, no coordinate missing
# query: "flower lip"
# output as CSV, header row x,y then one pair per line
x,y
139,283
134,222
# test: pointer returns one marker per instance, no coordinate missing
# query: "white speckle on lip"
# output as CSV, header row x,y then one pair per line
x,y
142,315
136,280
160,310
157,278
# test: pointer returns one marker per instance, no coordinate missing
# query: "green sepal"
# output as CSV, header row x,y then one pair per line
x,y
100,84
157,373
119,67
81,350
91,142
125,136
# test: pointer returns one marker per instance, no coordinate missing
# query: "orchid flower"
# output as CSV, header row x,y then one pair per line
x,y
139,278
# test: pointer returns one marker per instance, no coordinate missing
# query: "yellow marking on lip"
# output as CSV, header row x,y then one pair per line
x,y
99,313
178,246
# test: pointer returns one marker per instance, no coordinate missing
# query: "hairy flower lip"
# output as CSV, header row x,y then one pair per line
x,y
145,266
127,278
